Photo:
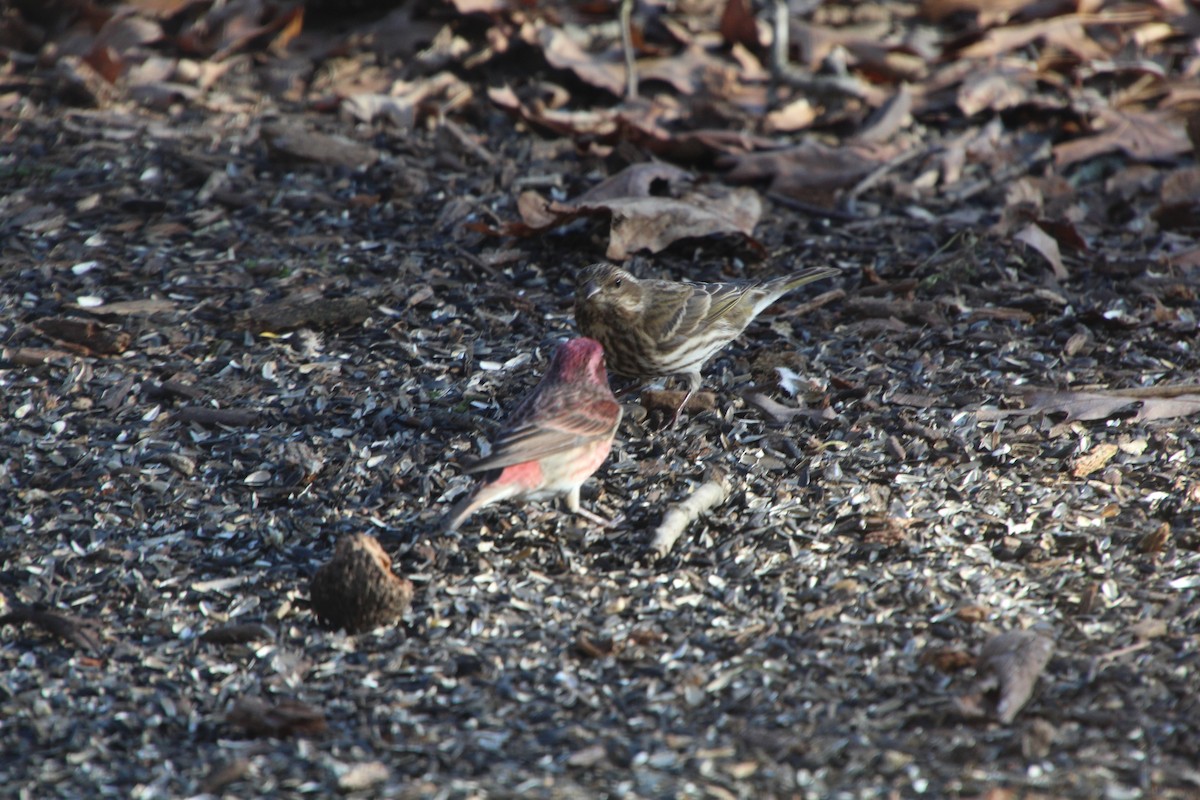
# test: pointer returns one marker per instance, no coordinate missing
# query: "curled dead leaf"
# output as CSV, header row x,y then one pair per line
x,y
653,223
1046,245
1008,668
1094,461
646,222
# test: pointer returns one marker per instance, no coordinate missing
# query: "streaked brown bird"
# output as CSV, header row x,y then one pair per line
x,y
654,329
555,439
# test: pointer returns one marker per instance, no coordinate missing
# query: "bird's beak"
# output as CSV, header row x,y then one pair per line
x,y
590,290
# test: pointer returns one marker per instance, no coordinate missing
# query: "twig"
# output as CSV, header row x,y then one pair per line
x,y
1121,651
678,517
877,174
470,145
1001,177
631,78
811,208
814,304
779,50
825,85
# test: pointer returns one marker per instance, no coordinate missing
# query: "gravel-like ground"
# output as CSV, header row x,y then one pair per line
x,y
174,471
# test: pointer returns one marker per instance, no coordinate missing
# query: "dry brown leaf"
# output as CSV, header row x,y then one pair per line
x,y
1179,203
645,124
399,35
1095,460
739,25
602,123
973,615
293,23
292,139
107,63
1065,32
259,25
812,172
796,115
894,116
1023,204
1046,245
688,71
402,105
947,659
639,180
1008,668
816,42
1155,540
126,30
1065,233
649,223
563,52
1148,629
537,212
996,90
1143,135
82,78
653,223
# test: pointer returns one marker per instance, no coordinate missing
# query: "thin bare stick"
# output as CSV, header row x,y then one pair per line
x,y
631,79
708,495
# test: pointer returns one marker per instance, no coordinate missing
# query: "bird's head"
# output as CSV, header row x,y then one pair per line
x,y
579,359
607,286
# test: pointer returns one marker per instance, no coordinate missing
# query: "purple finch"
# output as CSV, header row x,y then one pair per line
x,y
653,329
556,438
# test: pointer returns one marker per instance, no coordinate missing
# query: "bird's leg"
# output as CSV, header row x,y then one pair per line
x,y
631,80
572,503
693,380
675,419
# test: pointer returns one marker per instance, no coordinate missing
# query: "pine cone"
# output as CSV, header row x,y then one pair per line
x,y
357,589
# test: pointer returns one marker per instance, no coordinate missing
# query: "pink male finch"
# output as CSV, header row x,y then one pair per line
x,y
654,329
557,437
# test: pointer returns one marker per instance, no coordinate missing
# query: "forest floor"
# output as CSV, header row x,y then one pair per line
x,y
267,281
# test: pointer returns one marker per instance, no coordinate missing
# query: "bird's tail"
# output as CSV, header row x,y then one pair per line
x,y
482,495
462,509
788,282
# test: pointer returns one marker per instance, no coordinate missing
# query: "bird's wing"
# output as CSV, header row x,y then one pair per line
x,y
562,424
680,310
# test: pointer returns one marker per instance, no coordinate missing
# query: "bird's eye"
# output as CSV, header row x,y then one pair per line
x,y
617,283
